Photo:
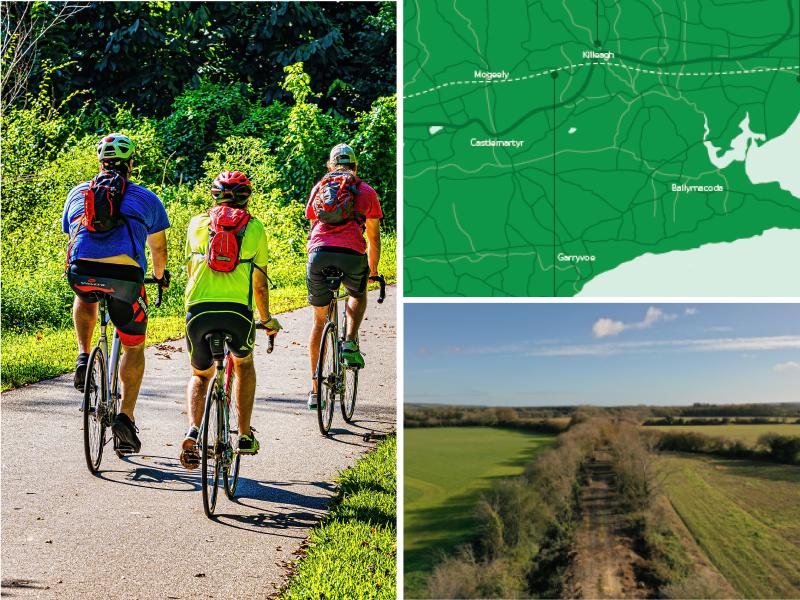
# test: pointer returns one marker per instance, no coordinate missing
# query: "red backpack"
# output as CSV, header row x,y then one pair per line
x,y
334,200
102,202
225,235
102,207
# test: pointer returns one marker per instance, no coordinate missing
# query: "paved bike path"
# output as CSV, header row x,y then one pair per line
x,y
138,530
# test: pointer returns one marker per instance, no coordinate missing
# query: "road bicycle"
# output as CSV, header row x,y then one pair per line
x,y
101,390
219,430
334,378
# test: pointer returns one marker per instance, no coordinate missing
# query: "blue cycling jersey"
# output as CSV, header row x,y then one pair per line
x,y
146,215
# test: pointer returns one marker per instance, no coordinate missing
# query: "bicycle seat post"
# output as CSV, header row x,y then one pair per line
x,y
104,316
217,340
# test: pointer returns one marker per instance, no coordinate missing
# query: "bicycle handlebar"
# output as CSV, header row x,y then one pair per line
x,y
149,280
271,342
382,282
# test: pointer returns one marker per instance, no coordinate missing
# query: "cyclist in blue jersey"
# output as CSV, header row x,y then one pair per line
x,y
113,262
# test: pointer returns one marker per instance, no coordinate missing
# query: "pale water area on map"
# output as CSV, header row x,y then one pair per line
x,y
739,144
764,265
773,161
777,160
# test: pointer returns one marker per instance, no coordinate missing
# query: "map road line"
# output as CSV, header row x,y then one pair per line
x,y
790,69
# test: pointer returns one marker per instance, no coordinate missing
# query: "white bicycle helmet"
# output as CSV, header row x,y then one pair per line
x,y
115,146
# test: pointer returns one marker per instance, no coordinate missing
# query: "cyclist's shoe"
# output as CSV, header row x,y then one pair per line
x,y
352,355
248,444
312,401
80,370
190,451
125,439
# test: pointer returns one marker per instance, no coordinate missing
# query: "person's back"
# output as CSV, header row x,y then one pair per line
x,y
144,214
342,209
207,285
109,221
226,261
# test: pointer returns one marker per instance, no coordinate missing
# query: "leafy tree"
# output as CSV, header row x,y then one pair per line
x,y
145,53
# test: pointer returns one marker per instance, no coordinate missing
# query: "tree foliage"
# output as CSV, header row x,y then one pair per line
x,y
145,54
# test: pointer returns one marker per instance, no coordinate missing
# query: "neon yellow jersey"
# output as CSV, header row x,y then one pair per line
x,y
207,285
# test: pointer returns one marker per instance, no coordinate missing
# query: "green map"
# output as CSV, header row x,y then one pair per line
x,y
548,142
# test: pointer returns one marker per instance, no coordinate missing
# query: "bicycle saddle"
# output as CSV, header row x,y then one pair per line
x,y
217,341
333,277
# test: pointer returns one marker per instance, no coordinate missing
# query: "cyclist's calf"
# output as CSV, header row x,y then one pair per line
x,y
131,371
244,389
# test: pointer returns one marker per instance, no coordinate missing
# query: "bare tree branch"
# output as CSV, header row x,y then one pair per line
x,y
22,31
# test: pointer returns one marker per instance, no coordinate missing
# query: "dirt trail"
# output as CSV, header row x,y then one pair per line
x,y
604,561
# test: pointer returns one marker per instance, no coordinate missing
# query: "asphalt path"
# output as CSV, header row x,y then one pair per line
x,y
138,529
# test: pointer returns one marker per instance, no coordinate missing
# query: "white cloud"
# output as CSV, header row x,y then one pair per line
x,y
787,366
606,327
753,344
690,312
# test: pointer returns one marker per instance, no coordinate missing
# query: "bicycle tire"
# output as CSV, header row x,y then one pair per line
x,y
232,475
349,392
326,378
208,452
94,419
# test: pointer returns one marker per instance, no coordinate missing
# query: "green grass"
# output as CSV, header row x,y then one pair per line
x,y
352,552
31,357
46,353
445,470
745,517
746,433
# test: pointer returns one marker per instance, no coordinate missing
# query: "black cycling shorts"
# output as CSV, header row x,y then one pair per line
x,y
355,267
227,317
123,287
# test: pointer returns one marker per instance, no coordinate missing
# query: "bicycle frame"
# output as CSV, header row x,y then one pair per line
x,y
333,317
218,383
112,383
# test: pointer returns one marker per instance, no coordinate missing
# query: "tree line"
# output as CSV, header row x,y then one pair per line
x,y
771,447
527,419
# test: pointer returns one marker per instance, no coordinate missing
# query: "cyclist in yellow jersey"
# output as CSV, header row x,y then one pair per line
x,y
226,253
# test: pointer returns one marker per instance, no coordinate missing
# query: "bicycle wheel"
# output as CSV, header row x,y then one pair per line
x,y
349,392
232,473
94,408
327,379
210,462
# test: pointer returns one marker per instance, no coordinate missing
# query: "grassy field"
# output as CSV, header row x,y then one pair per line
x,y
746,433
745,516
445,470
353,552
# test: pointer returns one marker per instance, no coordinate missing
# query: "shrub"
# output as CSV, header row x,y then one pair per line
x,y
463,576
309,136
375,143
201,117
782,448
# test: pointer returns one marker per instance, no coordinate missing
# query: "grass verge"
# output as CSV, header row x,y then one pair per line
x,y
352,553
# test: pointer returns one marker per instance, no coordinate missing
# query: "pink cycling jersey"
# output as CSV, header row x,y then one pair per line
x,y
347,235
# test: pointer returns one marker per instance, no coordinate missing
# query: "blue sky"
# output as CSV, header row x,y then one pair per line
x,y
604,354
